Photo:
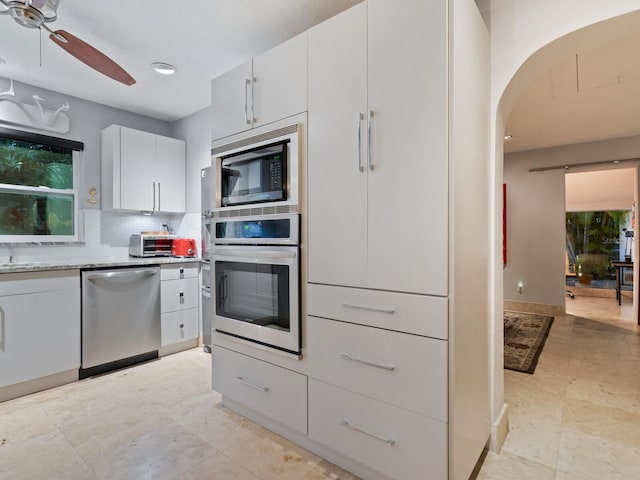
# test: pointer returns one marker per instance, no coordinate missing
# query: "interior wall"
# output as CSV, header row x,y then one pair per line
x,y
196,130
536,215
520,28
104,234
535,229
469,238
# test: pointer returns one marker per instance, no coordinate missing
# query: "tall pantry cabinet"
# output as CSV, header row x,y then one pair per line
x,y
378,147
397,150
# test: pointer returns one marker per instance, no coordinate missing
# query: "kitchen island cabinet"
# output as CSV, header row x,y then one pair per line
x,y
39,331
142,171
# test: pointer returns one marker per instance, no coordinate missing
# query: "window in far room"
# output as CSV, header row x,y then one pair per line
x,y
38,191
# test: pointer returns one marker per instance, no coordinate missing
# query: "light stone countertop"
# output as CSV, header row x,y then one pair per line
x,y
19,267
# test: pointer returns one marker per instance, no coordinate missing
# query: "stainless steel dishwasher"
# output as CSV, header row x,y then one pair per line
x,y
120,317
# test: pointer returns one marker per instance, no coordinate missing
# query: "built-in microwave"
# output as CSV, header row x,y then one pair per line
x,y
260,169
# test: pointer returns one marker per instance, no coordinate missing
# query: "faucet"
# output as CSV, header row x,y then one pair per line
x,y
168,228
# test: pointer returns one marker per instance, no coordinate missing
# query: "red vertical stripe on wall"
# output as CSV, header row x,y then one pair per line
x,y
504,223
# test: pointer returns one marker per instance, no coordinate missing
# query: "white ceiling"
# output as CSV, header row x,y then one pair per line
x,y
594,94
202,38
600,190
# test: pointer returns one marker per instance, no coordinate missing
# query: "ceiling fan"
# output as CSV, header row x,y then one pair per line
x,y
36,13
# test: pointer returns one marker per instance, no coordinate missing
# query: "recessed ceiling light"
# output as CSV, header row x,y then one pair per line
x,y
163,68
508,137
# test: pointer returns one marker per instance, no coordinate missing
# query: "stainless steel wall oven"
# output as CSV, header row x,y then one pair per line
x,y
256,280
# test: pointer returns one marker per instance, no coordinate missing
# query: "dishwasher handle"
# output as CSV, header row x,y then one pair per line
x,y
126,275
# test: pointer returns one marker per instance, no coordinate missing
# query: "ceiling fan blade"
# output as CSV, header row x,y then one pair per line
x,y
91,57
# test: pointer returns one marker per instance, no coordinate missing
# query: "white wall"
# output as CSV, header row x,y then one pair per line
x,y
535,214
519,28
535,229
469,239
105,233
196,130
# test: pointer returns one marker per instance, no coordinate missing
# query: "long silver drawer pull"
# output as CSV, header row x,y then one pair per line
x,y
346,356
360,118
371,309
253,385
345,422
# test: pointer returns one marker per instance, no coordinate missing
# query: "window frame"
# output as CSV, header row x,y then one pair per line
x,y
76,148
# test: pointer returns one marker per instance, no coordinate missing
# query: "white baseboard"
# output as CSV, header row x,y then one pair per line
x,y
499,430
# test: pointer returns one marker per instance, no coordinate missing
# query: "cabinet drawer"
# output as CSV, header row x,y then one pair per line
x,y
406,370
179,294
43,281
400,444
179,326
273,391
179,271
402,312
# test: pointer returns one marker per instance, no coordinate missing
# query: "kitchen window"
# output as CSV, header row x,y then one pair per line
x,y
38,188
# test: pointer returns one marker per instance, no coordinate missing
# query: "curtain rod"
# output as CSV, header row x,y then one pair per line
x,y
586,164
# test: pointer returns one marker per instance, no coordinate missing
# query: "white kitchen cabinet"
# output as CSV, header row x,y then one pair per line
x,y
142,171
179,305
265,89
39,325
276,392
378,168
408,371
396,442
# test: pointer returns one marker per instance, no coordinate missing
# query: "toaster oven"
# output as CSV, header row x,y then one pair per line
x,y
151,245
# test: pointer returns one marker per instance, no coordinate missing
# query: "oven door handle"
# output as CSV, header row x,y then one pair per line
x,y
248,255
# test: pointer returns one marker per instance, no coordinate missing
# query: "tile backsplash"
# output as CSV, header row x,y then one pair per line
x,y
104,235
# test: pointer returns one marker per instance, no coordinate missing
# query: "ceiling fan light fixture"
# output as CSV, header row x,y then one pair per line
x,y
163,68
32,14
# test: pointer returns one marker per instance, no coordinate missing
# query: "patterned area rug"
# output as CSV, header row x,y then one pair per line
x,y
524,337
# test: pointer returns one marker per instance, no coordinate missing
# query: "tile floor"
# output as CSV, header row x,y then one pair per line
x,y
578,416
159,420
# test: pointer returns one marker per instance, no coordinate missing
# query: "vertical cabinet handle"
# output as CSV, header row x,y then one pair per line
x,y
181,298
253,101
360,118
369,141
181,273
153,209
159,196
247,120
345,422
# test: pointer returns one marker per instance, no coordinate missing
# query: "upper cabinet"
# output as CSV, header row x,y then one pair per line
x,y
377,163
268,88
142,171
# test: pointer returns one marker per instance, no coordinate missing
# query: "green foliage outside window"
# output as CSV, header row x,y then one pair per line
x,y
36,189
593,240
